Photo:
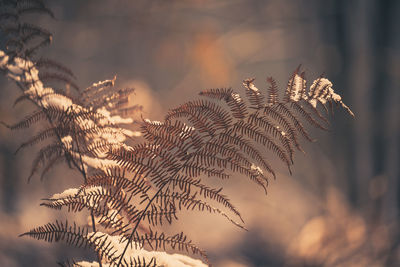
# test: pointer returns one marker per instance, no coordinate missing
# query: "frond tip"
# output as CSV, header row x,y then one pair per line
x,y
54,232
321,91
75,236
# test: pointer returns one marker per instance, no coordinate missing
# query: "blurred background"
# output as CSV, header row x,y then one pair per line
x,y
341,206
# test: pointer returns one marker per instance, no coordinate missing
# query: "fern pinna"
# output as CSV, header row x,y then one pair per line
x,y
131,186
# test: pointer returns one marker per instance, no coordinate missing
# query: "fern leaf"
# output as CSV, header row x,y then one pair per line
x,y
282,109
177,241
34,6
300,109
43,135
257,135
321,91
228,151
170,136
140,262
53,76
51,64
98,87
69,263
315,111
54,232
253,94
129,110
209,160
48,153
186,183
20,99
31,51
111,219
204,158
91,198
295,87
272,129
198,119
284,124
246,147
189,202
114,177
75,236
156,214
195,170
234,101
26,31
273,97
157,169
28,120
50,164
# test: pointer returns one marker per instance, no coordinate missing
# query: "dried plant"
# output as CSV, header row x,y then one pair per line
x,y
132,186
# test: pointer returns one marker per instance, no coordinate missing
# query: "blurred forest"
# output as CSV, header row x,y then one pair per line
x,y
341,207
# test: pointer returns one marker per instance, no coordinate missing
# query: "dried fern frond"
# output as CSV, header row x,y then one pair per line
x,y
92,198
27,121
188,185
178,241
201,110
45,155
273,97
23,39
254,95
43,135
296,86
172,135
140,262
116,179
129,188
272,129
69,263
46,63
247,148
234,101
72,235
35,6
189,202
254,133
285,111
57,77
76,236
140,166
307,115
321,92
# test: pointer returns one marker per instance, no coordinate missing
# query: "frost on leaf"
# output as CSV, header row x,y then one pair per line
x,y
137,252
67,193
321,91
99,126
297,86
256,169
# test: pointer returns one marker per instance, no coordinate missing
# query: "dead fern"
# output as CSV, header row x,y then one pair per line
x,y
129,187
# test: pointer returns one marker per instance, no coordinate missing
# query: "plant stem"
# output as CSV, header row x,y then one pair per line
x,y
139,220
82,170
150,202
